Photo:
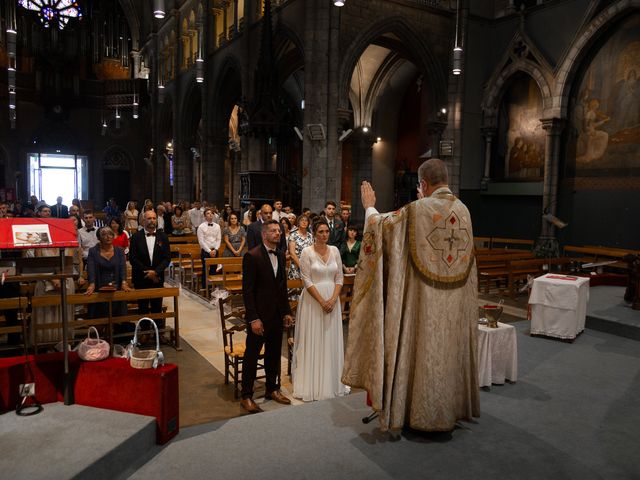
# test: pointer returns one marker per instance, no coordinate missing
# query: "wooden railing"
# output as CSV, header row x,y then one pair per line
x,y
22,304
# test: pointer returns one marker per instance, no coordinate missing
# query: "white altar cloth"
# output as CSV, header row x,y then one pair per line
x,y
559,305
497,354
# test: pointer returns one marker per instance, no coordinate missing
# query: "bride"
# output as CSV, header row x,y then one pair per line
x,y
318,353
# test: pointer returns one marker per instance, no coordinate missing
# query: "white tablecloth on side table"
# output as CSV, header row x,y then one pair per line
x,y
559,305
497,354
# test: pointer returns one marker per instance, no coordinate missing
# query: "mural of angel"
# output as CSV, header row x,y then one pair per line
x,y
595,141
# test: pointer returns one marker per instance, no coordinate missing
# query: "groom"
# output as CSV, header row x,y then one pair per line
x,y
264,288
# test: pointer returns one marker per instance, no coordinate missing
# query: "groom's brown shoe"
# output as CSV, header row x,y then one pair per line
x,y
278,397
250,406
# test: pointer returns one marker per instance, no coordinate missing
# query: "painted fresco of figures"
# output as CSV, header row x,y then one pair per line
x,y
523,141
628,101
593,139
606,110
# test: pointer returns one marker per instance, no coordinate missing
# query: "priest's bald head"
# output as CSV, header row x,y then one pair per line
x,y
432,175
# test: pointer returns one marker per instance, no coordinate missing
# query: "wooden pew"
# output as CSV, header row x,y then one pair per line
x,y
482,242
132,296
192,238
511,244
594,254
495,267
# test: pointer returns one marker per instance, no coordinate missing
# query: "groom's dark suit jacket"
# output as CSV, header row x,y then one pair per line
x,y
265,295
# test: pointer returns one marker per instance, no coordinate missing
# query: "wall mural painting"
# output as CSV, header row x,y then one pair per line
x,y
521,142
606,108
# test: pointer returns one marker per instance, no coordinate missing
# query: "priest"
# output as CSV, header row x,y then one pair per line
x,y
414,315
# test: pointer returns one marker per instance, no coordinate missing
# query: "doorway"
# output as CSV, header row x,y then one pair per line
x,y
57,175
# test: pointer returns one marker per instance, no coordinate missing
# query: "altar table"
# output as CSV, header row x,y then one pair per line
x,y
497,355
559,305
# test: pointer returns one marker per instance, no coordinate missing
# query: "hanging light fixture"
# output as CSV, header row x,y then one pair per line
x,y
457,49
199,70
12,28
200,60
158,8
135,105
103,127
12,34
160,92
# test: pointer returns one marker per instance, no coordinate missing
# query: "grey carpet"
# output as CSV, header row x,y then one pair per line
x,y
572,415
74,441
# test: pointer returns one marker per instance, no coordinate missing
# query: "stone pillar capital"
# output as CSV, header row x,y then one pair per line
x,y
553,126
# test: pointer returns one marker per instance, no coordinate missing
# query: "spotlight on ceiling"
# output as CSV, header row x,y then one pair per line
x,y
339,3
365,129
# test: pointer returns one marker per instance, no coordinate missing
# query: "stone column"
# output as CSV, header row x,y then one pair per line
x,y
362,145
213,170
434,132
321,169
553,127
547,244
488,133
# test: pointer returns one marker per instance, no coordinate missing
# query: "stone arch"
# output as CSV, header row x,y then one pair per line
x,y
131,14
598,27
500,82
288,60
423,57
228,91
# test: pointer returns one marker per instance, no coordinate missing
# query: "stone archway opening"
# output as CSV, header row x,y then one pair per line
x,y
390,101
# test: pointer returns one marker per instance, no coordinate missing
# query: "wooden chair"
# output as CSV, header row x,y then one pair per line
x,y
189,260
232,277
346,295
232,321
215,279
294,289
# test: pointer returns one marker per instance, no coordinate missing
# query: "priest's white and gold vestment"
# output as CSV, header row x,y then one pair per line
x,y
414,316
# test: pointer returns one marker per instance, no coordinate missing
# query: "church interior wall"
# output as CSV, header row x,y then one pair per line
x,y
514,216
586,195
600,217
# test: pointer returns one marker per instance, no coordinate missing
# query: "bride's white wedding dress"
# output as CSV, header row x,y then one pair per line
x,y
318,353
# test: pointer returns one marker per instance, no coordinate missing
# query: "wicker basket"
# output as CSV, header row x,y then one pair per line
x,y
145,358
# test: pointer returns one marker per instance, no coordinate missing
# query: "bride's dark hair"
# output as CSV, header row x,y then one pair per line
x,y
317,221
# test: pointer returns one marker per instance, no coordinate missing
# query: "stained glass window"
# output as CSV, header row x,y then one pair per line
x,y
53,12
